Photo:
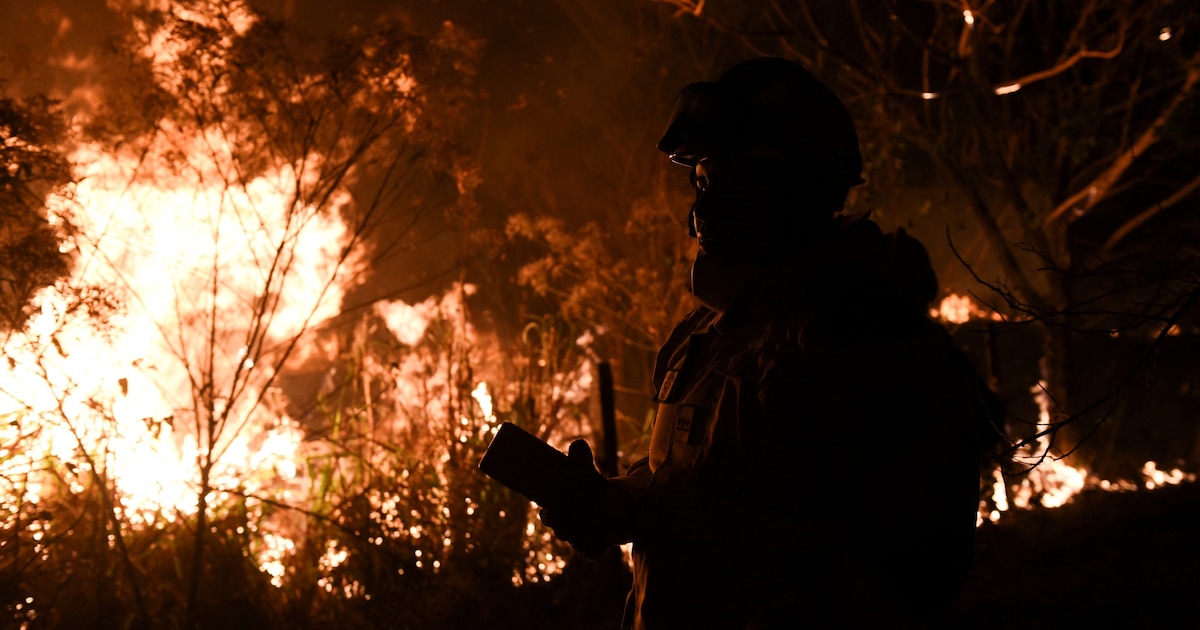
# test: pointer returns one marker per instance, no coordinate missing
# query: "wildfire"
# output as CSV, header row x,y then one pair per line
x,y
1058,483
150,372
1052,482
151,376
1048,481
424,382
127,398
1155,478
959,309
120,399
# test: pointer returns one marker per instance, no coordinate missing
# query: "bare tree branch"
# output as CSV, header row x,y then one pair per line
x,y
1145,215
1088,196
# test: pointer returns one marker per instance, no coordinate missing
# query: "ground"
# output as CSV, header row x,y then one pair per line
x,y
1125,560
1106,560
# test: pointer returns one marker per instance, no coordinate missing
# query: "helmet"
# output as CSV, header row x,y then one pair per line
x,y
771,103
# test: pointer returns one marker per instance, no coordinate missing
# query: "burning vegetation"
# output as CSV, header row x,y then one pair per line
x,y
202,427
149,464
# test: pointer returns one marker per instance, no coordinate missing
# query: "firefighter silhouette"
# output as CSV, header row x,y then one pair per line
x,y
816,452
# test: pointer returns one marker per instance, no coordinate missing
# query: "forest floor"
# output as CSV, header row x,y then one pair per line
x,y
1105,560
1127,560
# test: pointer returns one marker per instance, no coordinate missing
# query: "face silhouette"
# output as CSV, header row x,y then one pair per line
x,y
745,217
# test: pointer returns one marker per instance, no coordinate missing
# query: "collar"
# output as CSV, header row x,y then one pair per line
x,y
784,290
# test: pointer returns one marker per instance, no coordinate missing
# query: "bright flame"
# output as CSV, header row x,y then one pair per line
x,y
1156,478
201,272
960,309
1000,493
423,385
1164,34
275,550
158,352
1008,89
407,322
1052,483
481,396
184,256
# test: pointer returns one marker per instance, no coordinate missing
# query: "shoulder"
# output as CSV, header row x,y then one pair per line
x,y
874,282
698,319
897,357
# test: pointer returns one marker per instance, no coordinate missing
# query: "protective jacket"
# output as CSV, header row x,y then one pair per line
x,y
815,454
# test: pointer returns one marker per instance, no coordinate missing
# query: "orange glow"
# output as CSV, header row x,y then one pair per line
x,y
1050,482
1155,478
206,275
960,309
153,241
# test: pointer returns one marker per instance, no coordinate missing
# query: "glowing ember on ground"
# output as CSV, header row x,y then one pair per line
x,y
1155,478
959,309
1050,482
1047,480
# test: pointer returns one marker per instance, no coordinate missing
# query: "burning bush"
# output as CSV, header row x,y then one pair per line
x,y
150,471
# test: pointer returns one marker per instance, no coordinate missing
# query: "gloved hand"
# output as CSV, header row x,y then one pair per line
x,y
595,513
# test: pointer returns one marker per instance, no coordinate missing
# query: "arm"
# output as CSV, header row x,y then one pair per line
x,y
600,514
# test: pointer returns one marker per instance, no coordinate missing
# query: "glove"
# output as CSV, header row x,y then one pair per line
x,y
595,513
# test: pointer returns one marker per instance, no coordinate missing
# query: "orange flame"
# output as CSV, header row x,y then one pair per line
x,y
205,278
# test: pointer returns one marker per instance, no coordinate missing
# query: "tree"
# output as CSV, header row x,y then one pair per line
x,y
238,182
32,164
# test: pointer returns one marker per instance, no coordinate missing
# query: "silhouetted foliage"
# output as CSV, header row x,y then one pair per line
x,y
33,163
